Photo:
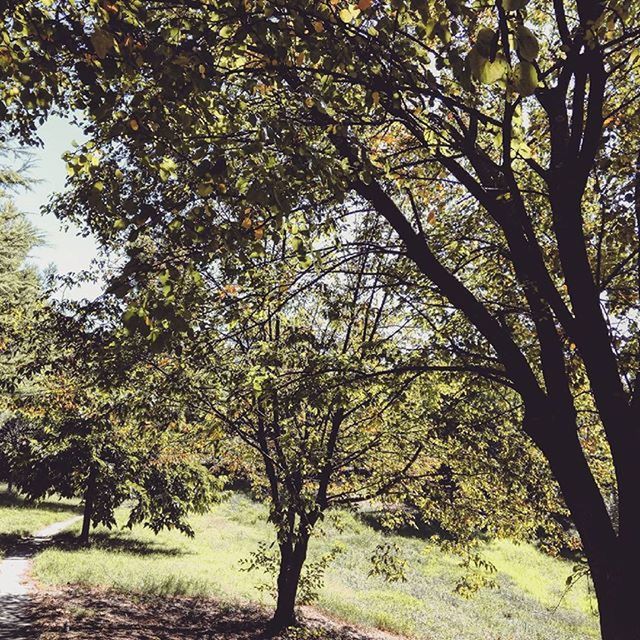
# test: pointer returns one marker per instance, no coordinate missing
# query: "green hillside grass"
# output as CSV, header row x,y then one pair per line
x,y
530,584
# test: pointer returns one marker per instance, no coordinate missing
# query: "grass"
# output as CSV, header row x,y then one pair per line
x,y
19,518
530,584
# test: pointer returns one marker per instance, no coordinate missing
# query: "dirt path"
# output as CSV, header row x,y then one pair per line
x,y
14,588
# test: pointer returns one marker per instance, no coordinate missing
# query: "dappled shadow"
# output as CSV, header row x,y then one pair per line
x,y
15,500
18,545
90,613
113,542
9,541
78,613
10,499
15,617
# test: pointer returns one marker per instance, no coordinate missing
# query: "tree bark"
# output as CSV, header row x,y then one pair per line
x,y
292,558
612,555
89,497
616,573
616,585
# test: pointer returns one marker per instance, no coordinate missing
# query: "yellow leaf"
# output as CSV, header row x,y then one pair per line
x,y
348,14
246,223
133,123
318,26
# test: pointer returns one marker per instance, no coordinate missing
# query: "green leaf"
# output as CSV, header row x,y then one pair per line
x,y
102,42
349,13
525,78
443,32
528,46
205,189
485,42
486,71
514,5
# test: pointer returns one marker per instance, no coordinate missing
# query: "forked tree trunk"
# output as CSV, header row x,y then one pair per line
x,y
292,558
89,498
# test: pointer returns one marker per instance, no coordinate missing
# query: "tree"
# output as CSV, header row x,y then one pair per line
x,y
105,429
20,286
498,141
323,438
312,374
21,296
14,431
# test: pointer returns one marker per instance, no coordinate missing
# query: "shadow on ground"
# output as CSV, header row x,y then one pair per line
x,y
14,500
9,541
15,618
78,613
113,542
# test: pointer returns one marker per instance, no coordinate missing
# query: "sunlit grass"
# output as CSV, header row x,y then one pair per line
x,y
425,606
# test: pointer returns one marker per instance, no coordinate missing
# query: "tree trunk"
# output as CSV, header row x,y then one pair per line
x,y
619,592
616,574
612,555
292,558
89,496
616,584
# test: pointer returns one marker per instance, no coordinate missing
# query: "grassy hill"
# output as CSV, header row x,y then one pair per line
x,y
524,606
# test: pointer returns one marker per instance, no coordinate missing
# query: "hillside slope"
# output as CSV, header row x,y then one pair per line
x,y
527,604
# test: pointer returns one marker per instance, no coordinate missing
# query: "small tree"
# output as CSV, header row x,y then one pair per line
x,y
312,377
323,438
107,430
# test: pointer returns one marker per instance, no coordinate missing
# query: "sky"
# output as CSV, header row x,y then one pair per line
x,y
67,250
